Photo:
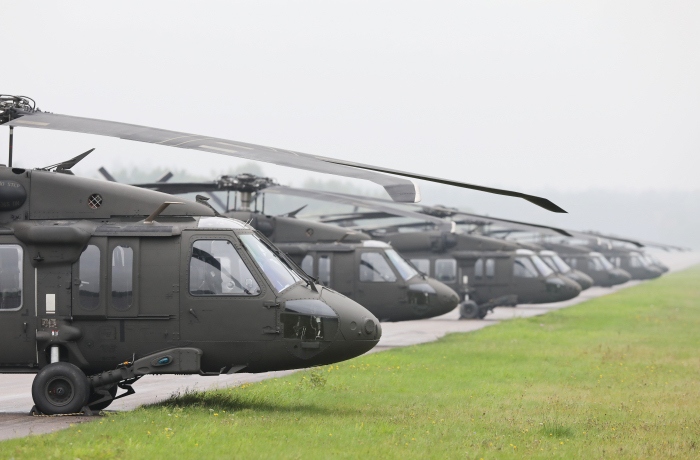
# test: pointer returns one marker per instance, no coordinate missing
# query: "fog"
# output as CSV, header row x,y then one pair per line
x,y
592,104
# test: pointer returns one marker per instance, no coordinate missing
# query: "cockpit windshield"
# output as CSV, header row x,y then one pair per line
x,y
605,263
541,266
636,260
548,260
404,268
275,268
561,265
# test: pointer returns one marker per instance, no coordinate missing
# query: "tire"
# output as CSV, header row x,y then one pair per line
x,y
94,396
60,388
468,310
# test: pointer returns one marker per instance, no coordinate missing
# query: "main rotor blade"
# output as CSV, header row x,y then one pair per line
x,y
177,188
394,208
536,200
398,188
634,241
351,200
106,174
514,224
402,190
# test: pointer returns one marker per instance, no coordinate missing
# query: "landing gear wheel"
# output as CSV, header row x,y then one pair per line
x,y
94,396
469,310
60,388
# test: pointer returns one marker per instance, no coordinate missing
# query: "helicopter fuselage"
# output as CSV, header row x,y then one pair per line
x,y
85,279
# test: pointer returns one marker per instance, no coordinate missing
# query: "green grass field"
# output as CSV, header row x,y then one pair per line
x,y
616,377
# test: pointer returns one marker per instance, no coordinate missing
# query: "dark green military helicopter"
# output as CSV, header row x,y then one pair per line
x,y
117,282
369,272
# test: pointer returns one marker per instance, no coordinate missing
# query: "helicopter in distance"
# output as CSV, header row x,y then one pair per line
x,y
583,264
632,261
369,272
103,283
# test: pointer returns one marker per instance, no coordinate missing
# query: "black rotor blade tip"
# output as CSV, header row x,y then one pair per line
x,y
545,203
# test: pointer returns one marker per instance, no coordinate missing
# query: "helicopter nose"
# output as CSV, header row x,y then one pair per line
x,y
359,328
581,279
619,276
564,288
443,300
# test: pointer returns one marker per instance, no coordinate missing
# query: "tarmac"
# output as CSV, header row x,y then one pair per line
x,y
16,399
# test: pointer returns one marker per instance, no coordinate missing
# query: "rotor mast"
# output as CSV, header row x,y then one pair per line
x,y
9,159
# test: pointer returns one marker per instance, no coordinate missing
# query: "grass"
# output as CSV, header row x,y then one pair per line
x,y
616,377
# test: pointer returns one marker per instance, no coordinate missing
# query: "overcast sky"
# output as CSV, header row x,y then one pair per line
x,y
531,96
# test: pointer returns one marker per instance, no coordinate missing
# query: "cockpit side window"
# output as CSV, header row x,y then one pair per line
x,y
595,264
375,268
11,256
523,268
636,261
216,268
446,270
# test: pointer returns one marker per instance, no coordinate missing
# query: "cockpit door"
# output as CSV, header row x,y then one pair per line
x,y
223,295
17,305
379,286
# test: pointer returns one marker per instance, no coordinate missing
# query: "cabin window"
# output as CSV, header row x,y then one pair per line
x,y
423,265
324,270
446,270
216,268
479,269
374,268
490,268
89,274
277,270
523,268
11,257
122,278
307,264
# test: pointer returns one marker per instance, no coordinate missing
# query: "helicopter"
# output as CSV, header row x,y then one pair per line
x,y
557,264
632,261
592,263
369,272
103,283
